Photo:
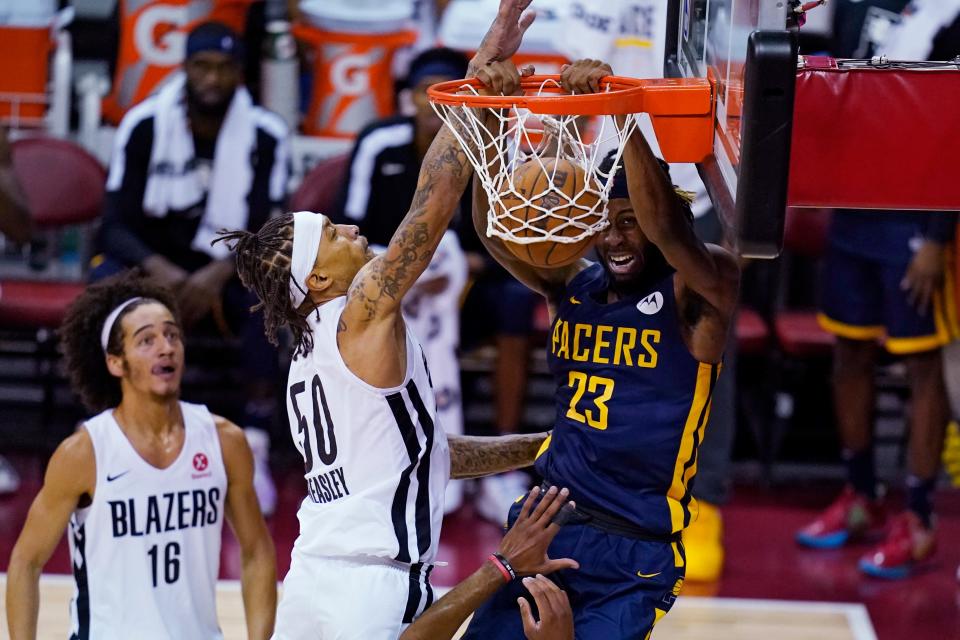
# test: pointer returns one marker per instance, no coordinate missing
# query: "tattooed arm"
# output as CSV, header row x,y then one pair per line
x,y
474,457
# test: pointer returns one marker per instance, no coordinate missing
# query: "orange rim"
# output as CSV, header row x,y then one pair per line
x,y
619,95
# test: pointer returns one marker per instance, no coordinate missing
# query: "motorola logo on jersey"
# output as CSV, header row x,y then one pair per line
x,y
651,304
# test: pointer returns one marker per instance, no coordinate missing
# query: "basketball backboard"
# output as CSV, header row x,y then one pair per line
x,y
745,49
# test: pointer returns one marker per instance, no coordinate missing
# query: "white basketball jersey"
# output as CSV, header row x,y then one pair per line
x,y
376,459
146,552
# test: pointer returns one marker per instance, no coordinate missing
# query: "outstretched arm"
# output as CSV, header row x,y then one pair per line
x,y
378,289
524,547
475,457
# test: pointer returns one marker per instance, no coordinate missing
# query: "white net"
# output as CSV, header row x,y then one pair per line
x,y
519,142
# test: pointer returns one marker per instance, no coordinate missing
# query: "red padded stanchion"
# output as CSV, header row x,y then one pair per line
x,y
875,138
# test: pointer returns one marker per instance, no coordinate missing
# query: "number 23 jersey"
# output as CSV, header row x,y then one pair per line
x,y
376,460
632,404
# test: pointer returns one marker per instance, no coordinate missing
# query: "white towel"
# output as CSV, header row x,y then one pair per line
x,y
170,187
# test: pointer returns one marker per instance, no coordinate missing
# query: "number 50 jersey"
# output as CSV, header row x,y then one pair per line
x,y
376,460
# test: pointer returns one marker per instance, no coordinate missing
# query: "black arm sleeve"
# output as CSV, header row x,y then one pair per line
x,y
123,208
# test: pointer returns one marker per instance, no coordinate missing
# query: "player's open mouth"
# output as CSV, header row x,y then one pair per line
x,y
621,263
164,370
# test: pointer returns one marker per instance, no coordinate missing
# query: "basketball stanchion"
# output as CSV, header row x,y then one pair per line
x,y
545,183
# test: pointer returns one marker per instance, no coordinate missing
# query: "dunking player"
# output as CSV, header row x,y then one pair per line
x,y
363,412
144,485
636,346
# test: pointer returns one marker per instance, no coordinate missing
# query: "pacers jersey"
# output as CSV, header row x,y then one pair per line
x,y
146,552
632,404
376,460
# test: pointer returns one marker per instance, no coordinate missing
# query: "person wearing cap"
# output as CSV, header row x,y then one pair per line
x,y
142,488
196,157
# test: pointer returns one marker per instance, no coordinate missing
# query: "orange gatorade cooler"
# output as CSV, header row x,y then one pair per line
x,y
25,52
353,44
153,35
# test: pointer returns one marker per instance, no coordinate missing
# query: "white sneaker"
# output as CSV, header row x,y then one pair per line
x,y
9,478
453,497
263,486
498,493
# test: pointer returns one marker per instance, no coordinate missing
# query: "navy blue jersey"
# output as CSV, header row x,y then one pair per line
x,y
632,404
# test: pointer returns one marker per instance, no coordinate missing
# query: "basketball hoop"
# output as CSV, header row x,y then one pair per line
x,y
544,125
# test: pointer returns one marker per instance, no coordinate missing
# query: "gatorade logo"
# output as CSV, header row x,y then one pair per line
x,y
350,74
158,36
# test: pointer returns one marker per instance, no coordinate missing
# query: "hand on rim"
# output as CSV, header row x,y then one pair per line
x,y
504,36
583,76
501,78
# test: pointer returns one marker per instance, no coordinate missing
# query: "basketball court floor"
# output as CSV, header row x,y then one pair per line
x,y
771,589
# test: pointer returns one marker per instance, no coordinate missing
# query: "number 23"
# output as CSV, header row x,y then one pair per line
x,y
582,383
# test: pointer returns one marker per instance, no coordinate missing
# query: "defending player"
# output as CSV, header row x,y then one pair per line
x,y
636,346
363,412
144,486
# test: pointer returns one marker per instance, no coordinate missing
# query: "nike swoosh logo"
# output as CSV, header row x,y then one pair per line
x,y
119,475
573,300
648,575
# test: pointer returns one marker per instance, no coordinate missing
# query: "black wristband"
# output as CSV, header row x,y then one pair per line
x,y
506,565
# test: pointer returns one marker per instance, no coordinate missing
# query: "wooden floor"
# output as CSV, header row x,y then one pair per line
x,y
691,618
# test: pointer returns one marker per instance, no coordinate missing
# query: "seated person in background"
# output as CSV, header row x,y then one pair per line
x,y
15,225
194,158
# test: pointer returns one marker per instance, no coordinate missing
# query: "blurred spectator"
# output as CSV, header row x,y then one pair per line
x,y
883,275
381,181
195,158
14,216
15,225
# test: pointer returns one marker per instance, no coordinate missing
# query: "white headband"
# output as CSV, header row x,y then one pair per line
x,y
307,233
108,323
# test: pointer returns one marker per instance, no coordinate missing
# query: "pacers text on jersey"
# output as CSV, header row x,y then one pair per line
x,y
605,344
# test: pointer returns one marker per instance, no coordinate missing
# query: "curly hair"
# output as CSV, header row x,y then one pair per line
x,y
79,334
263,263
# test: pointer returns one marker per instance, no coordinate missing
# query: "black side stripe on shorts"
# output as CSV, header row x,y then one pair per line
x,y
80,576
423,472
697,436
414,593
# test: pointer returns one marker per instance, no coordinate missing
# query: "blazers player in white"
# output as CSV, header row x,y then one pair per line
x,y
144,487
360,400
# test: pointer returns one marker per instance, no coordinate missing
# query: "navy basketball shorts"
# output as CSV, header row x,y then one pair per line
x,y
861,299
621,590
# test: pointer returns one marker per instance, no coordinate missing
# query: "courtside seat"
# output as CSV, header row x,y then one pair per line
x,y
803,348
33,304
64,185
752,332
319,189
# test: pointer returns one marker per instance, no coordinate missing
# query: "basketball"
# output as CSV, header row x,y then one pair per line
x,y
531,179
